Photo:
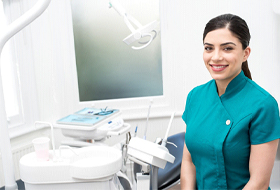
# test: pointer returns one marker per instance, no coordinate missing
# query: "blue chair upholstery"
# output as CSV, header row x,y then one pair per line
x,y
171,173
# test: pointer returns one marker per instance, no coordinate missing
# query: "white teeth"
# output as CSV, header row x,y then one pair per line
x,y
219,67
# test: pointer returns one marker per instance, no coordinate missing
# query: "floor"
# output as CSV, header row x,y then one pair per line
x,y
176,187
20,185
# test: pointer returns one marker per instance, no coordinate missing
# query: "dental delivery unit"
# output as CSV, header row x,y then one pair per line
x,y
97,166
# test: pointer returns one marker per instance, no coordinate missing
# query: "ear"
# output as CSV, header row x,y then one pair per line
x,y
247,52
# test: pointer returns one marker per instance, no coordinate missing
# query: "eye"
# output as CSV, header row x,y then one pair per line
x,y
207,48
228,48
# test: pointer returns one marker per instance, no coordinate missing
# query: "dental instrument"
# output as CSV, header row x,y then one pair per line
x,y
5,144
164,141
145,152
140,32
135,132
146,127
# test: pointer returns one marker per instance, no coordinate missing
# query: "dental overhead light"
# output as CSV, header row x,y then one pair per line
x,y
149,30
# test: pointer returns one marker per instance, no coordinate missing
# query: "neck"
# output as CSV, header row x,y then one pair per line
x,y
221,87
222,84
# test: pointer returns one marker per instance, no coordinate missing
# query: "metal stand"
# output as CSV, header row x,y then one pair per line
x,y
154,178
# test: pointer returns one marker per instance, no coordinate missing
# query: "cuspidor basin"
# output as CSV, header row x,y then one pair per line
x,y
89,166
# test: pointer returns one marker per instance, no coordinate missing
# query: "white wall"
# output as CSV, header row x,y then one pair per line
x,y
182,22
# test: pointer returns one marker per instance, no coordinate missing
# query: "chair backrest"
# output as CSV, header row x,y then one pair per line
x,y
171,173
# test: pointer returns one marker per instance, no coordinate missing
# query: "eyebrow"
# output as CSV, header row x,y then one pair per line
x,y
224,44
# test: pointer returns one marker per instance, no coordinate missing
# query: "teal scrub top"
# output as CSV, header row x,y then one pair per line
x,y
220,130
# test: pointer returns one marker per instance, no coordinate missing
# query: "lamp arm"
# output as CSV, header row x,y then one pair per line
x,y
5,144
23,21
117,6
140,32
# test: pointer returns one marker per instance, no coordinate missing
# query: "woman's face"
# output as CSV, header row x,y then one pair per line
x,y
223,55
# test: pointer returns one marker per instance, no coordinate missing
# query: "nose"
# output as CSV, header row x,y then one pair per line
x,y
216,56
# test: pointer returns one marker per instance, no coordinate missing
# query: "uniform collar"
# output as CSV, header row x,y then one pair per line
x,y
235,85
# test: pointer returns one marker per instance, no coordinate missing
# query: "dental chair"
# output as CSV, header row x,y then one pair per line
x,y
170,175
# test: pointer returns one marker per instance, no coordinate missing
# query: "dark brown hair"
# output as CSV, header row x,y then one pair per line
x,y
238,28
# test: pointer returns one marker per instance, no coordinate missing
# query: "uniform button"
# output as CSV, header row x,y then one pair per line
x,y
228,122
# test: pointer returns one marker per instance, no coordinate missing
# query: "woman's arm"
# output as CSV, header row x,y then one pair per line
x,y
188,174
261,162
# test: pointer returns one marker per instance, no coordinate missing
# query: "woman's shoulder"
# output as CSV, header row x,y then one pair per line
x,y
199,93
257,91
203,87
255,88
259,94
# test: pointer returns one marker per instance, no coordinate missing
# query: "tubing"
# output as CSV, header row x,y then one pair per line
x,y
164,141
146,127
52,134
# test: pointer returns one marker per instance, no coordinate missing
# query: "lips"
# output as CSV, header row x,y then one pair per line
x,y
218,68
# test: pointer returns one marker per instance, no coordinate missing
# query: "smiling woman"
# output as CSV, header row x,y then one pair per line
x,y
223,56
233,125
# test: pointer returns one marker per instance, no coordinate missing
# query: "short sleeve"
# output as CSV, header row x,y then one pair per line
x,y
265,123
187,107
